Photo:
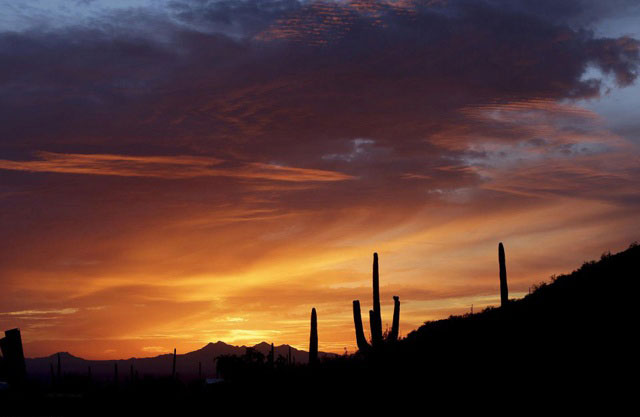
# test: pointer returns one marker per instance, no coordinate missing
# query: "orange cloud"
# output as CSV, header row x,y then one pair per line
x,y
166,167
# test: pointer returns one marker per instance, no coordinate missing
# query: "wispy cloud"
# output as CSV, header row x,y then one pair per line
x,y
166,167
30,313
155,349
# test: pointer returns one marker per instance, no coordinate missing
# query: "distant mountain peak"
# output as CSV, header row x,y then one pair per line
x,y
63,355
218,343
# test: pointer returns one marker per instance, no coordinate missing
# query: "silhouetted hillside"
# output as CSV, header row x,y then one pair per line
x,y
576,329
599,292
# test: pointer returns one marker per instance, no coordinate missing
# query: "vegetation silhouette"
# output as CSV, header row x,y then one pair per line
x,y
572,335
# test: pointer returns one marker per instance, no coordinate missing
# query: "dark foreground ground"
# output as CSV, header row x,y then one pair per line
x,y
568,346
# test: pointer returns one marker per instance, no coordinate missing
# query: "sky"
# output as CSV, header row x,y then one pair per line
x,y
178,172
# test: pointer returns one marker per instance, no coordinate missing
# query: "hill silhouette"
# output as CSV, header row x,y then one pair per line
x,y
573,332
572,305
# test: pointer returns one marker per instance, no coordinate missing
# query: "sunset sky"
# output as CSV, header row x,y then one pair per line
x,y
178,172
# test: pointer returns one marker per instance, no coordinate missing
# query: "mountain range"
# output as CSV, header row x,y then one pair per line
x,y
187,364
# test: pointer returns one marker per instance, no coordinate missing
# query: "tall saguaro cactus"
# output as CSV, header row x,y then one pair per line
x,y
375,317
504,290
313,339
173,369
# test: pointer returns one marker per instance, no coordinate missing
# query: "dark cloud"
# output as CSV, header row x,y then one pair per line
x,y
198,90
573,12
384,99
237,18
379,91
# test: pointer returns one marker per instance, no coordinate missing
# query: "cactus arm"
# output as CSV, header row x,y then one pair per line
x,y
357,321
393,336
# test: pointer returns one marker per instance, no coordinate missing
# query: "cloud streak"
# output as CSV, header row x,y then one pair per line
x,y
165,167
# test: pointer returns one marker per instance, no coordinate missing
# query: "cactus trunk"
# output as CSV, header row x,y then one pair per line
x,y
376,329
376,321
395,328
504,290
313,339
357,321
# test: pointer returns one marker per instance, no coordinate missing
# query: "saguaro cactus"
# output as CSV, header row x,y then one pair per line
x,y
395,327
173,370
504,290
375,317
313,339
